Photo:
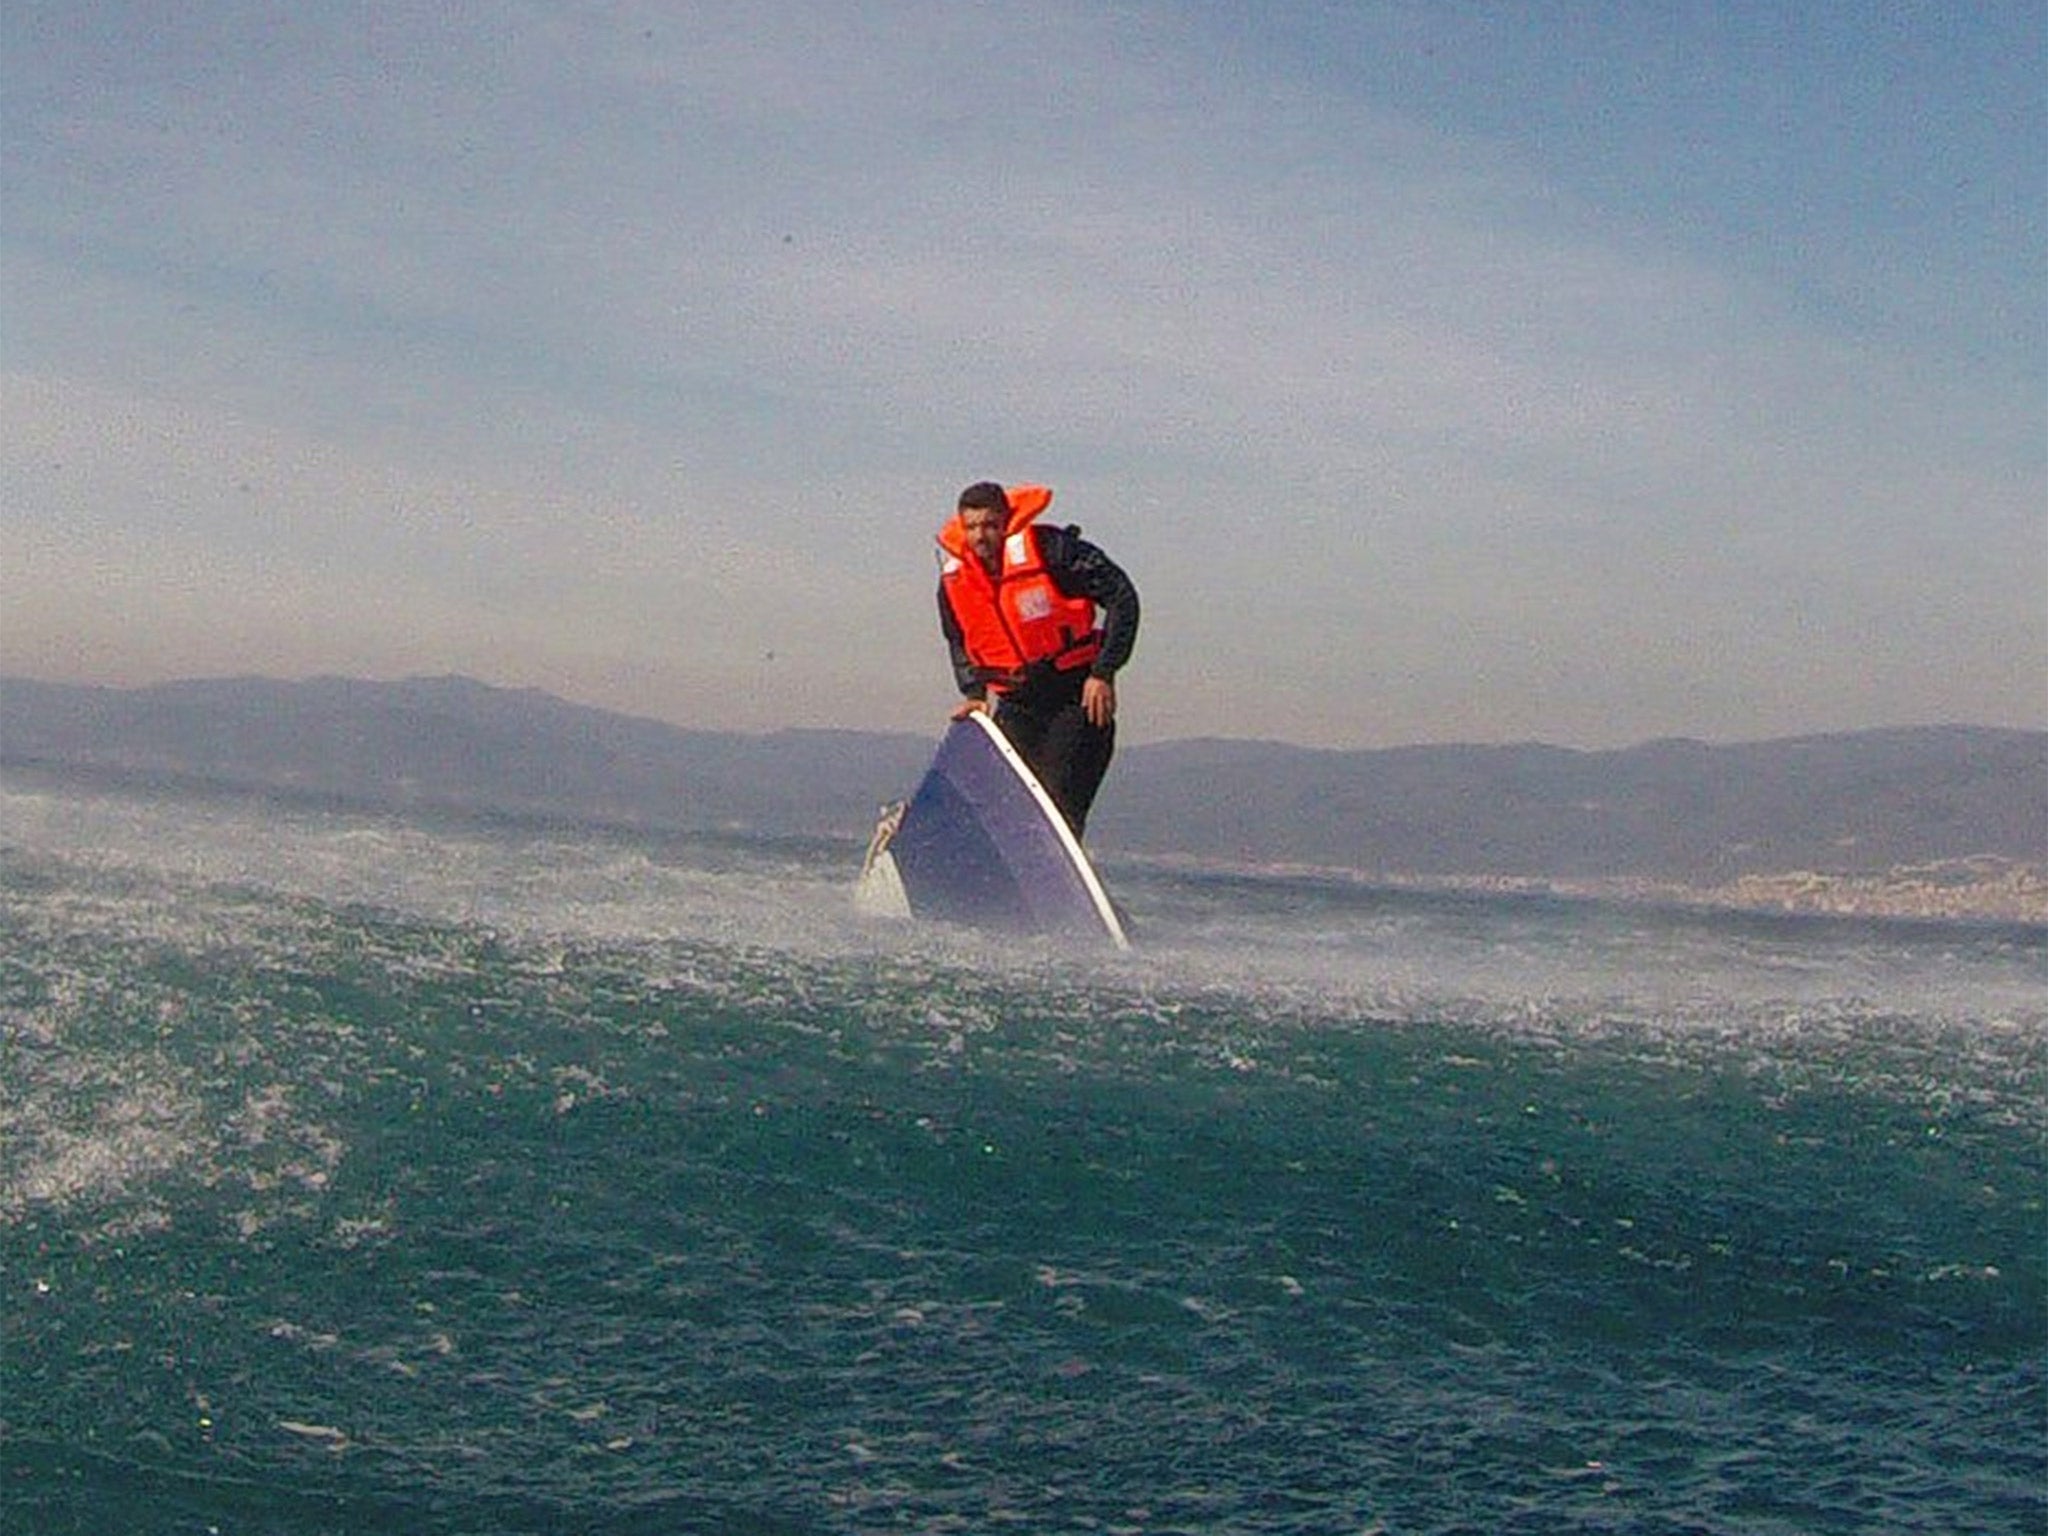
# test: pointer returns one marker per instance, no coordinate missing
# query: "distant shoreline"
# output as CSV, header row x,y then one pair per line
x,y
1932,823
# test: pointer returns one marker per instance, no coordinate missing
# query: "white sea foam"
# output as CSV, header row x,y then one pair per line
x,y
1324,948
66,1143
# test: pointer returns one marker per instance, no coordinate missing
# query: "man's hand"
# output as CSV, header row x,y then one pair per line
x,y
968,707
1098,702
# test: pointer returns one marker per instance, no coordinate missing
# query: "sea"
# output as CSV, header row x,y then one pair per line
x,y
416,1173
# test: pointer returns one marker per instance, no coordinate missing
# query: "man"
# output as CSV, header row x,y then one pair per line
x,y
1018,602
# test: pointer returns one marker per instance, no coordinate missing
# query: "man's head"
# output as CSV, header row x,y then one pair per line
x,y
985,518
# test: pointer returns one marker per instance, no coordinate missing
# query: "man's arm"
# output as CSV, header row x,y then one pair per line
x,y
1080,569
973,688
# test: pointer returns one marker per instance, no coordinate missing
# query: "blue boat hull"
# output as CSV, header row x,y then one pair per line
x,y
981,843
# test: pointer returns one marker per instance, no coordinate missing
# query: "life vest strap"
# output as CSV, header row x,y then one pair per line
x,y
1077,654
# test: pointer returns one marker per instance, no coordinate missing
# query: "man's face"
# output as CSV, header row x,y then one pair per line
x,y
984,527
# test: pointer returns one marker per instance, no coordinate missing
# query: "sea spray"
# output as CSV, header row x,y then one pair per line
x,y
358,1173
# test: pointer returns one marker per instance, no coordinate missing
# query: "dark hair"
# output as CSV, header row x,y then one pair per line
x,y
984,493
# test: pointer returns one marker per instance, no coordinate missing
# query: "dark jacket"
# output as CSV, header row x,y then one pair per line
x,y
1078,569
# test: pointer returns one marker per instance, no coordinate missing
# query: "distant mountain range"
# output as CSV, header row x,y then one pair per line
x,y
1681,811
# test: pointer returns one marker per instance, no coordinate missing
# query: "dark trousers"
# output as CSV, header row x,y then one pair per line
x,y
1051,732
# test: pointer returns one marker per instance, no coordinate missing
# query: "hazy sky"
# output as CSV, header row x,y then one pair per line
x,y
1440,371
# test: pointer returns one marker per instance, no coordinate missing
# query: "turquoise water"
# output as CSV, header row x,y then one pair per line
x,y
367,1175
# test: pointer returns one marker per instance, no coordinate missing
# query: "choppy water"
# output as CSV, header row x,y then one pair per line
x,y
361,1175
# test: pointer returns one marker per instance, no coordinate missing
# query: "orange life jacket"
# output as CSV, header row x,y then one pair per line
x,y
1019,616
